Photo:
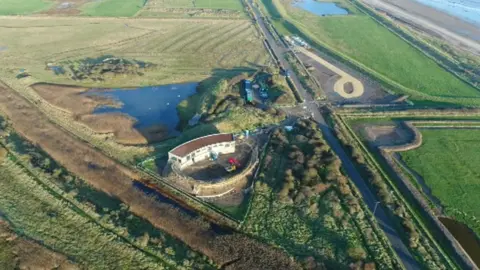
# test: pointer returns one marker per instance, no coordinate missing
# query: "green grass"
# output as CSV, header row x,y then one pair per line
x,y
113,8
360,38
228,9
219,4
183,51
448,161
211,4
23,7
35,212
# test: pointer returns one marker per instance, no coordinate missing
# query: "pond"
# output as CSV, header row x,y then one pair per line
x,y
320,8
151,105
465,236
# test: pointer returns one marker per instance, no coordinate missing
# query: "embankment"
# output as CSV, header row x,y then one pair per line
x,y
233,251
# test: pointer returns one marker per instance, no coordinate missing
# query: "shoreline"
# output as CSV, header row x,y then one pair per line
x,y
433,21
455,9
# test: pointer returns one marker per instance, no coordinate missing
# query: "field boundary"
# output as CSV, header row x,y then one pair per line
x,y
389,153
418,220
440,229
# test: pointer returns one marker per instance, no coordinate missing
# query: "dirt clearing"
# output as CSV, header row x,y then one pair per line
x,y
353,89
387,135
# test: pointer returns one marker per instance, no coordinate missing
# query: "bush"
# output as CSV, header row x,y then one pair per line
x,y
357,253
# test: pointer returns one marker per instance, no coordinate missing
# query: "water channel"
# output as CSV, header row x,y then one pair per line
x,y
320,8
465,236
151,105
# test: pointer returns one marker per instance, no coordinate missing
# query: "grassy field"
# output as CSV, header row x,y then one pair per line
x,y
23,7
360,38
113,8
195,8
40,215
448,161
183,50
211,4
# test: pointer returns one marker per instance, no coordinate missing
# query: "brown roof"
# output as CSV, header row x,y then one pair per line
x,y
186,148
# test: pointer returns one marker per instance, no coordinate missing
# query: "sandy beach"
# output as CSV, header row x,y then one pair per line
x,y
433,21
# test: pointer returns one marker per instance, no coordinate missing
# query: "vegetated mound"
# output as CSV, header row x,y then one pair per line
x,y
232,250
222,103
72,99
97,69
19,253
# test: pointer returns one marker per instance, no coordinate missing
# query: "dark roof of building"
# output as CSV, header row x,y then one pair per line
x,y
186,148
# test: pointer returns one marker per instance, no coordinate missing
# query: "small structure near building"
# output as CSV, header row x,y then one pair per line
x,y
247,86
201,148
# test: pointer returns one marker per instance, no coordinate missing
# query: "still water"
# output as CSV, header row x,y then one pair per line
x,y
150,105
320,8
465,236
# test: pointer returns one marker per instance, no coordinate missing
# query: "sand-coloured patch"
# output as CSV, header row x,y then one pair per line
x,y
387,135
346,86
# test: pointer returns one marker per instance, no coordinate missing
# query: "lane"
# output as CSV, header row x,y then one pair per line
x,y
313,109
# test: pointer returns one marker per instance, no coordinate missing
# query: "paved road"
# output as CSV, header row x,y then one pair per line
x,y
369,198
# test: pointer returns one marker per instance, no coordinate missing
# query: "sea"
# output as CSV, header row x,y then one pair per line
x,y
467,10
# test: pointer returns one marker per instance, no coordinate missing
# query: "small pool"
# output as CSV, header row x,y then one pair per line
x,y
320,8
151,105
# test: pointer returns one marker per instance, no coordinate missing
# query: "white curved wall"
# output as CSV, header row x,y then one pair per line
x,y
202,154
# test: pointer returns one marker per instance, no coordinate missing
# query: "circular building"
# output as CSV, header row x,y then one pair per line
x,y
201,148
212,166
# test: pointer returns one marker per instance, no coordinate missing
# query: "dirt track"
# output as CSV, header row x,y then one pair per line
x,y
345,79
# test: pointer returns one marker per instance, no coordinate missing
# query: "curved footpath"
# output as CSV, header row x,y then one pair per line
x,y
369,198
339,86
